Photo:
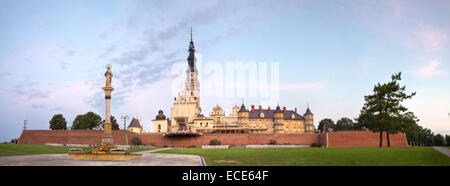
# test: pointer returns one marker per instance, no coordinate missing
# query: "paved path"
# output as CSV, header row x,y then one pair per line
x,y
148,159
444,150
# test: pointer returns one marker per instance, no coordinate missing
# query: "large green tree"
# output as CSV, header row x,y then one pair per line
x,y
114,124
439,140
325,124
447,140
410,127
89,120
383,111
344,124
58,122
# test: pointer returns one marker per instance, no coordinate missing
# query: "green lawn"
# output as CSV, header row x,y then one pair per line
x,y
364,156
23,149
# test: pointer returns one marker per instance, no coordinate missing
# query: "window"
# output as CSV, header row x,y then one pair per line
x,y
159,126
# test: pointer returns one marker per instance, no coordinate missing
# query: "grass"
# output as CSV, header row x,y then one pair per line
x,y
23,149
356,156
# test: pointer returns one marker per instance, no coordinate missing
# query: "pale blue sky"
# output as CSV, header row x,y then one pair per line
x,y
53,54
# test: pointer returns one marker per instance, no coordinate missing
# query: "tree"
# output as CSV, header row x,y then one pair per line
x,y
325,124
382,111
344,124
439,140
447,140
58,122
410,127
114,124
89,120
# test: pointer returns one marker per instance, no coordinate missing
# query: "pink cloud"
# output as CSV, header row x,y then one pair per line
x,y
430,70
432,39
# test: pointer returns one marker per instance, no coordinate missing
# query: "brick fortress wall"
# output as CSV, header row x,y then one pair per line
x,y
335,139
364,139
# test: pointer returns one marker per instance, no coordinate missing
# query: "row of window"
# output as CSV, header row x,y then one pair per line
x,y
269,122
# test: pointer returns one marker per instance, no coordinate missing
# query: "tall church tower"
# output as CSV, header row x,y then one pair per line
x,y
186,105
192,84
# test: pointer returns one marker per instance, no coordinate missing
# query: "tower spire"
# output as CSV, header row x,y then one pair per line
x,y
191,58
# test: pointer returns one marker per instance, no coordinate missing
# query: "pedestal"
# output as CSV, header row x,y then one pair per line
x,y
107,134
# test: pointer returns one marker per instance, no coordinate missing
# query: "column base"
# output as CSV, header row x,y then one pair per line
x,y
107,134
107,139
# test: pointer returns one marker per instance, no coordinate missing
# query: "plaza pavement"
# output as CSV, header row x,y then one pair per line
x,y
148,159
444,150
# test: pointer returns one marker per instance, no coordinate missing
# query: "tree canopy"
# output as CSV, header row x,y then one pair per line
x,y
344,124
383,111
114,124
58,122
89,120
325,124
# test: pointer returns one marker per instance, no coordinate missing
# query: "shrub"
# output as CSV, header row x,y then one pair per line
x,y
192,146
272,142
136,141
214,142
316,145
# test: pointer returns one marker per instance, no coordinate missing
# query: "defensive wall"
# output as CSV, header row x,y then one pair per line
x,y
364,139
335,139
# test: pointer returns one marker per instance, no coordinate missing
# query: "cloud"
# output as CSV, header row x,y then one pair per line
x,y
28,90
430,70
37,106
301,87
146,55
431,38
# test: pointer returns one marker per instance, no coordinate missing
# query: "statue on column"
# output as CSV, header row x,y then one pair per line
x,y
108,75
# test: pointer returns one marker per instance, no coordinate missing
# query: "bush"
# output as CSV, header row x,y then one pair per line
x,y
192,146
316,145
136,141
273,142
214,142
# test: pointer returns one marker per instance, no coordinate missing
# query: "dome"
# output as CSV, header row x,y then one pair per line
x,y
160,115
243,108
135,123
308,112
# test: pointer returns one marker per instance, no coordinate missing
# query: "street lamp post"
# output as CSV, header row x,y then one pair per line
x,y
125,129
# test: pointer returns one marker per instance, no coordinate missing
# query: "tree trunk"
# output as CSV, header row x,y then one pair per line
x,y
387,138
381,138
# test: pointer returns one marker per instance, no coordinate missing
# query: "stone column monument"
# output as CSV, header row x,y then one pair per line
x,y
107,134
